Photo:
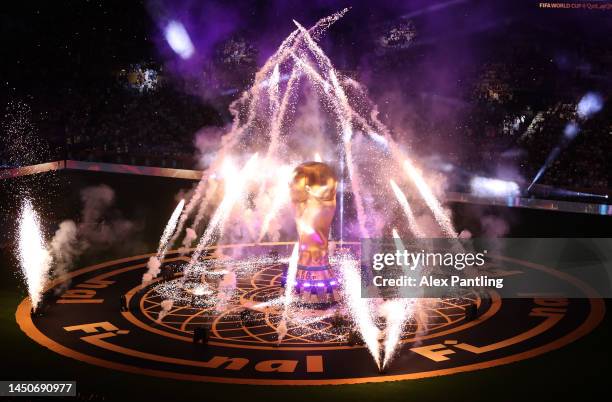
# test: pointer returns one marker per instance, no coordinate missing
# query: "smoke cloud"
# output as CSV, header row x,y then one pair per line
x,y
494,226
166,306
94,230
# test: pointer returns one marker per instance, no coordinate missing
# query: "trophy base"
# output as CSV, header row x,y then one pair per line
x,y
316,286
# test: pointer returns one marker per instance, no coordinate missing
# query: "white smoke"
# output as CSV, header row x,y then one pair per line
x,y
281,331
190,237
64,246
465,234
153,269
90,231
494,226
226,289
166,306
207,143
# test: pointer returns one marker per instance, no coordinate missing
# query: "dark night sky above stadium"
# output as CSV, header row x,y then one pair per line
x,y
49,44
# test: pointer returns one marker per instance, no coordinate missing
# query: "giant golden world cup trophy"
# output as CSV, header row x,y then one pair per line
x,y
313,194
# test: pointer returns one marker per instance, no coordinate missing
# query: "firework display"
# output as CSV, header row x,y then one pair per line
x,y
270,194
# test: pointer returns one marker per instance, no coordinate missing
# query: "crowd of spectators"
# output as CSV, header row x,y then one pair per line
x,y
508,127
531,140
116,124
512,116
151,128
156,128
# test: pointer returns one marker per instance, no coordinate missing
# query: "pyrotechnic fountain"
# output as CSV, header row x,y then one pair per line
x,y
34,257
271,134
154,263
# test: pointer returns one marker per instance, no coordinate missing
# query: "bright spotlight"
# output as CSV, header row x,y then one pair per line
x,y
178,39
486,187
590,104
571,130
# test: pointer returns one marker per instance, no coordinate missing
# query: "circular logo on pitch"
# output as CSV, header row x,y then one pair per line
x,y
86,321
